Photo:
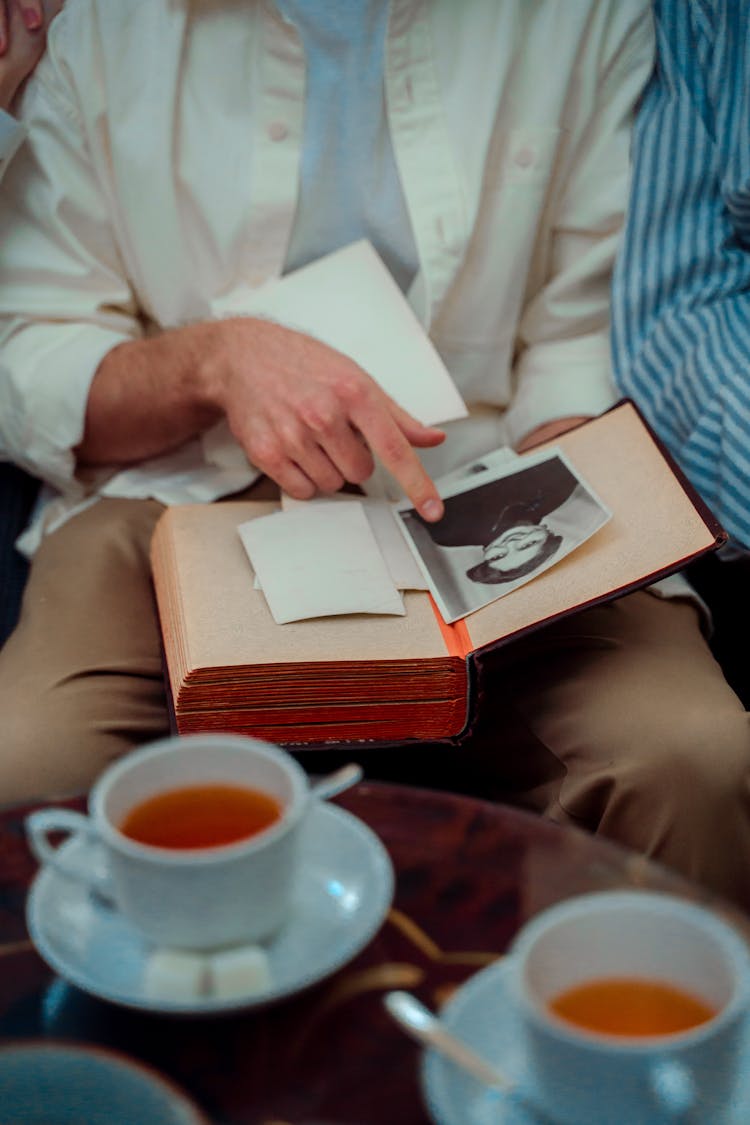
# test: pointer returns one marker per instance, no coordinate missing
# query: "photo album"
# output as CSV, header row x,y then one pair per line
x,y
397,666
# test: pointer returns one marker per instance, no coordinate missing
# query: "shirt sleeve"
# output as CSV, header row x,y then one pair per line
x,y
681,297
12,134
64,298
564,366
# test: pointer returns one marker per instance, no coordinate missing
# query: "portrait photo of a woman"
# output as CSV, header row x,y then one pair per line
x,y
501,530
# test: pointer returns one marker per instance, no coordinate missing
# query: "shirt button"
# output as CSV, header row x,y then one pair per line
x,y
524,158
277,131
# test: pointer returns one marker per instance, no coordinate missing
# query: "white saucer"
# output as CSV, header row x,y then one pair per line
x,y
343,894
482,1013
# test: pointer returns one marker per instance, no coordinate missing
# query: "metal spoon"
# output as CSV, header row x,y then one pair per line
x,y
425,1027
336,782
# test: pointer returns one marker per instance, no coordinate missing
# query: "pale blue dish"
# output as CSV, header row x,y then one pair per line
x,y
342,895
62,1084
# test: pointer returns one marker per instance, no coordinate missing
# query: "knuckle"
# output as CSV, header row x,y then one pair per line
x,y
393,448
299,488
360,467
325,475
330,481
320,417
266,452
291,438
351,388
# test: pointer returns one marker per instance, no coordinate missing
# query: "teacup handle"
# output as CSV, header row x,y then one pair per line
x,y
673,1087
41,823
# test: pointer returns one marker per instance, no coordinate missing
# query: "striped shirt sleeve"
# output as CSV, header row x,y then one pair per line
x,y
681,291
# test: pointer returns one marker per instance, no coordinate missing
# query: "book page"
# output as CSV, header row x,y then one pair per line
x,y
655,525
223,622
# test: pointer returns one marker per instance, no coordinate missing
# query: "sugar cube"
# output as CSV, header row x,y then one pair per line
x,y
175,974
241,971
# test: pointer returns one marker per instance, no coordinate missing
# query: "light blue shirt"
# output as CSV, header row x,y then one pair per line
x,y
681,299
349,183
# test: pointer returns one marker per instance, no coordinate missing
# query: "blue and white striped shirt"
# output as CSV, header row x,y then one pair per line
x,y
681,298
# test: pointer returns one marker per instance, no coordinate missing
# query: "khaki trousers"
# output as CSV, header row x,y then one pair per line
x,y
617,719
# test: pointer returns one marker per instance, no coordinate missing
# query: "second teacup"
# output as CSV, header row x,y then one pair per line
x,y
200,834
683,973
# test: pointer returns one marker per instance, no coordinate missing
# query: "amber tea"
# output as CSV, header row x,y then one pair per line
x,y
631,1006
201,816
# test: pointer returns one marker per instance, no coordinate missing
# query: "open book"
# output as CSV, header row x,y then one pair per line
x,y
354,677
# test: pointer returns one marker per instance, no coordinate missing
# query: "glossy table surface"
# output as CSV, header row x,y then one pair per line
x,y
468,874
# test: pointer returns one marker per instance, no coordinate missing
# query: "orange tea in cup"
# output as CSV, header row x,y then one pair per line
x,y
630,1006
201,816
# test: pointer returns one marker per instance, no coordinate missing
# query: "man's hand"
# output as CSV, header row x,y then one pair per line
x,y
549,430
305,414
23,28
311,418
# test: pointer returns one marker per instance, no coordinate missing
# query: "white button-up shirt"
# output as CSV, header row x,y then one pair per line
x,y
160,179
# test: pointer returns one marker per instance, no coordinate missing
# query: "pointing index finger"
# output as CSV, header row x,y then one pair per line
x,y
387,440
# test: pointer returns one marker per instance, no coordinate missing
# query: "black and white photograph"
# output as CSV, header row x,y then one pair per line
x,y
502,527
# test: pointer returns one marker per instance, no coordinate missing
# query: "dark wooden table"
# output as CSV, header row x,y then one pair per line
x,y
468,874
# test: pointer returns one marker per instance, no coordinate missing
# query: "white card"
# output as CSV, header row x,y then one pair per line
x,y
402,566
319,560
349,300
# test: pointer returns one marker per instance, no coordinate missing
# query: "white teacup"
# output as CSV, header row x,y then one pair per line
x,y
580,1075
189,898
